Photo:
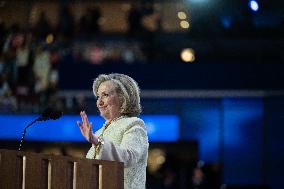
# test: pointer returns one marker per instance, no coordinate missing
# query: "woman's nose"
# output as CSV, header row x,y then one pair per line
x,y
100,102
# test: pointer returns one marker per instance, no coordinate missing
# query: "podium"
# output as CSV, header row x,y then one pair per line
x,y
24,170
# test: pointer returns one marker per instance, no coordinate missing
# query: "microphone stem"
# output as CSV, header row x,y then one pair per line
x,y
24,133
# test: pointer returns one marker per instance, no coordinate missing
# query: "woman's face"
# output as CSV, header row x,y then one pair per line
x,y
108,101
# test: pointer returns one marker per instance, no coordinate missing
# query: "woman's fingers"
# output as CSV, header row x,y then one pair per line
x,y
81,127
79,123
86,127
91,127
84,118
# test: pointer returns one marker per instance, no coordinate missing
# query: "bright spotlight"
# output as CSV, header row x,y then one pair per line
x,y
253,5
187,55
184,24
181,15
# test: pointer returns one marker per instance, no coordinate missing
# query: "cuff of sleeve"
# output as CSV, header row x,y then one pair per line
x,y
100,141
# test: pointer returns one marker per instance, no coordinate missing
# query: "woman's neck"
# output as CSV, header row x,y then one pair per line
x,y
114,119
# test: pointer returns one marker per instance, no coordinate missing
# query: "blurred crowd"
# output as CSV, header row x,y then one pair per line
x,y
30,56
28,70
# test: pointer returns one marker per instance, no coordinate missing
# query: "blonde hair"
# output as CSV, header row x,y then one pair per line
x,y
127,90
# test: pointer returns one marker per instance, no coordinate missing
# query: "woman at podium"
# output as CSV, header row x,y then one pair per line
x,y
123,137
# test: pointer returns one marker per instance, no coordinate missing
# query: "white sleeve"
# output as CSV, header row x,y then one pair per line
x,y
132,148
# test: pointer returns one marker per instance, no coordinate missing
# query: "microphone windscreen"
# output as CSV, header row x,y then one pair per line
x,y
55,114
50,113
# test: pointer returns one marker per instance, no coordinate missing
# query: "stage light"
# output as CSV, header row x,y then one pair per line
x,y
253,5
184,24
187,55
181,15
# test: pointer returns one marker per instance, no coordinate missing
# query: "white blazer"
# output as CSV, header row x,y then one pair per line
x,y
126,140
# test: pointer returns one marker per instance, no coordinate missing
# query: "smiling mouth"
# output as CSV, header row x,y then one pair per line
x,y
103,108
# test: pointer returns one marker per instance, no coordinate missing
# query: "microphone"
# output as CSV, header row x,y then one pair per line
x,y
47,114
50,113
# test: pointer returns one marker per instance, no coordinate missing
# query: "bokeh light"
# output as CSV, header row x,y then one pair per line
x,y
184,24
181,15
188,55
254,5
49,38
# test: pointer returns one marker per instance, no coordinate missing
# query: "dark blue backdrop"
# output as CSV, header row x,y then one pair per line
x,y
243,75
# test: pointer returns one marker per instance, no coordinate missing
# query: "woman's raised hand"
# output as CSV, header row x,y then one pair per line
x,y
86,128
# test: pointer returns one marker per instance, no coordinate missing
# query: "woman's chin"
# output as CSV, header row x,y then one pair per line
x,y
105,116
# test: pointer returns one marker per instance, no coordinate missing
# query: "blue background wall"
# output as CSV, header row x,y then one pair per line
x,y
244,134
